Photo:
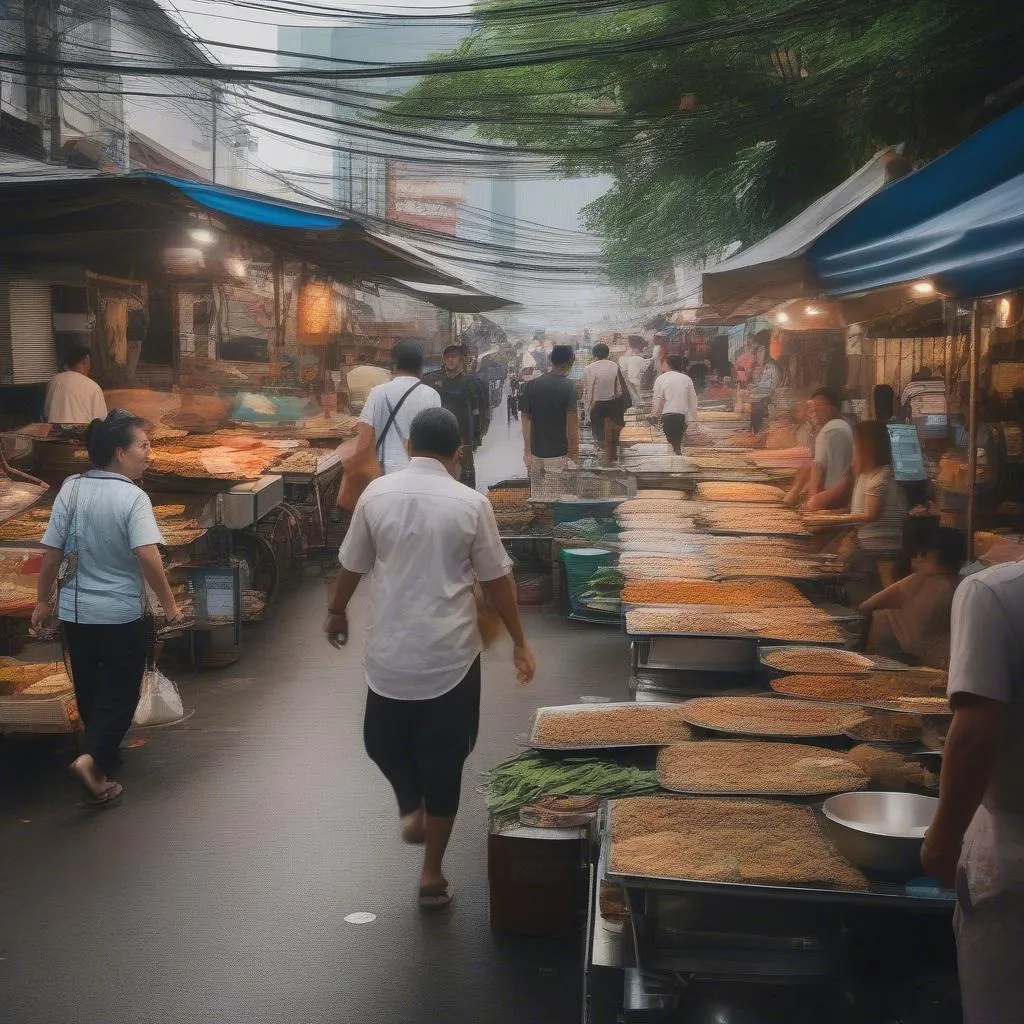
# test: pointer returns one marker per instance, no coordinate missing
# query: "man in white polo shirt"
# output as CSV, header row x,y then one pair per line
x,y
675,401
425,539
976,840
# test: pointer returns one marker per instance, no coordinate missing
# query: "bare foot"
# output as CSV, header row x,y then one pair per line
x,y
88,774
414,828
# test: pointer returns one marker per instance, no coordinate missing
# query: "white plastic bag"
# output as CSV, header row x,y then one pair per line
x,y
159,700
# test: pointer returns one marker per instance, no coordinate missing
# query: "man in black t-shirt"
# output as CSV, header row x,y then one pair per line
x,y
551,428
466,397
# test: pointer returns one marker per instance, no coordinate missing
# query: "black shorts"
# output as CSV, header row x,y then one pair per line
x,y
422,745
613,409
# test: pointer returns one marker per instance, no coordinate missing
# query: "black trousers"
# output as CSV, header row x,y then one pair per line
x,y
467,467
674,425
613,409
107,664
422,745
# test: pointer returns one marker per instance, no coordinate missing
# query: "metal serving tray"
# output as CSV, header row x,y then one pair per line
x,y
663,653
878,663
531,740
908,896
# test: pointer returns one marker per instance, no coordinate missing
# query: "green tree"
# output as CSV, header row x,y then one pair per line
x,y
720,119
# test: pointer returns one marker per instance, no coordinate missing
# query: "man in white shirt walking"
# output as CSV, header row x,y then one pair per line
x,y
604,399
390,408
425,539
635,367
72,396
675,401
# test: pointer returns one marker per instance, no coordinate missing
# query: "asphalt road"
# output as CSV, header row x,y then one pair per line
x,y
218,889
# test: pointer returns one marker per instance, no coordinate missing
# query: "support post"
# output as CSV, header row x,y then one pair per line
x,y
972,425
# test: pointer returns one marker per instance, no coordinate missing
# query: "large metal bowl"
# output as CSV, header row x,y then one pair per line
x,y
880,831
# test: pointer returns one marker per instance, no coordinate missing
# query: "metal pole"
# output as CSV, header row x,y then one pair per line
x,y
972,425
213,158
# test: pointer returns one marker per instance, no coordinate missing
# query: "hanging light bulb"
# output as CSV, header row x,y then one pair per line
x,y
923,288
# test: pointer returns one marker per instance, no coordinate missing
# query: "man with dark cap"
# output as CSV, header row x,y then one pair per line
x,y
466,398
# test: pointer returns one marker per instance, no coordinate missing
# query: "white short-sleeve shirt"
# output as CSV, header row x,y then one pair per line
x,y
424,539
105,518
987,659
675,394
377,410
72,397
833,451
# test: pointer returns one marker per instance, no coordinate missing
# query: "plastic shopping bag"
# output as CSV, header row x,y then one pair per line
x,y
159,700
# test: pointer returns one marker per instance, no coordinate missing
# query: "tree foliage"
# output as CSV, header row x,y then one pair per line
x,y
721,119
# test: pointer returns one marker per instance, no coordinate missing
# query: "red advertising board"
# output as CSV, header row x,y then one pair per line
x,y
422,202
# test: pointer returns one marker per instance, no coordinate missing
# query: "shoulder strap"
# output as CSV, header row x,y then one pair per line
x,y
394,413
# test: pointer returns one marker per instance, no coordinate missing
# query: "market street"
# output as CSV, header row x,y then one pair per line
x,y
218,890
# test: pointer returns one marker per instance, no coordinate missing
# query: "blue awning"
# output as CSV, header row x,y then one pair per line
x,y
958,222
249,207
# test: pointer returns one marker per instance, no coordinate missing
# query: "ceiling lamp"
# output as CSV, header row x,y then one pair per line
x,y
923,288
202,236
782,318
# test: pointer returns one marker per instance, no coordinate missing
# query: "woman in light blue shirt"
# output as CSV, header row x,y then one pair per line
x,y
103,542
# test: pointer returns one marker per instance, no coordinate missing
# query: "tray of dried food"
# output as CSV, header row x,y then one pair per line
x,y
913,705
737,594
654,841
596,726
769,522
756,768
643,566
706,621
770,716
816,660
887,727
747,494
795,625
873,689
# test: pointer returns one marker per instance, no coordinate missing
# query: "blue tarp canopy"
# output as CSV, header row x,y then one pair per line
x,y
958,222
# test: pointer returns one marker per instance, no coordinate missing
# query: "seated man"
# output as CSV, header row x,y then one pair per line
x,y
912,617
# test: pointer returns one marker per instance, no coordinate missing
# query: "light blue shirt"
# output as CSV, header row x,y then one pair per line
x,y
105,522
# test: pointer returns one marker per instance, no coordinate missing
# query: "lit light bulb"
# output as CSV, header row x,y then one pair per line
x,y
202,236
782,318
923,288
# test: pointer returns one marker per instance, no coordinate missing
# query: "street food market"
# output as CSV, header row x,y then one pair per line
x,y
511,513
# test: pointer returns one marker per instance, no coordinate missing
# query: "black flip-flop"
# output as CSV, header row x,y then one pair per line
x,y
437,896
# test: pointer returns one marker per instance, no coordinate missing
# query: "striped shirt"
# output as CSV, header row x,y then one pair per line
x,y
886,532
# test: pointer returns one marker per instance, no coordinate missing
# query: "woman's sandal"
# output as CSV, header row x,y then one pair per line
x,y
437,896
108,796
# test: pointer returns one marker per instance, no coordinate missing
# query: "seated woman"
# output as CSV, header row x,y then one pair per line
x,y
912,617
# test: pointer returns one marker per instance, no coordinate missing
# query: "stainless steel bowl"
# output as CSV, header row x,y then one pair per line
x,y
880,831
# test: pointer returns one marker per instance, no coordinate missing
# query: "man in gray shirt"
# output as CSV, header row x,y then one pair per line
x,y
831,482
976,840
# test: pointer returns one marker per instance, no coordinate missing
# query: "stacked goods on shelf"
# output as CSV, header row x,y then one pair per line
x,y
643,566
242,458
608,725
760,593
27,527
305,460
742,493
781,458
16,496
751,520
511,508
810,625
754,768
817,661
886,727
36,697
928,688
770,716
757,842
179,521
681,620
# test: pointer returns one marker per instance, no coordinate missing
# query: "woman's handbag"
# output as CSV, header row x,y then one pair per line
x,y
364,467
626,397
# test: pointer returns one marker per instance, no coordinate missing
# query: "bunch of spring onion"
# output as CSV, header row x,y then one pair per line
x,y
520,781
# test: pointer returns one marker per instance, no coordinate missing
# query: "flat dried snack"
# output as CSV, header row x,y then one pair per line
x,y
762,593
609,725
860,689
742,768
723,491
889,770
770,716
757,842
817,660
648,506
644,621
784,567
884,727
793,624
643,567
49,686
915,705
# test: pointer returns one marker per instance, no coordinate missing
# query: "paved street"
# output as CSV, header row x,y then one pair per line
x,y
218,890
